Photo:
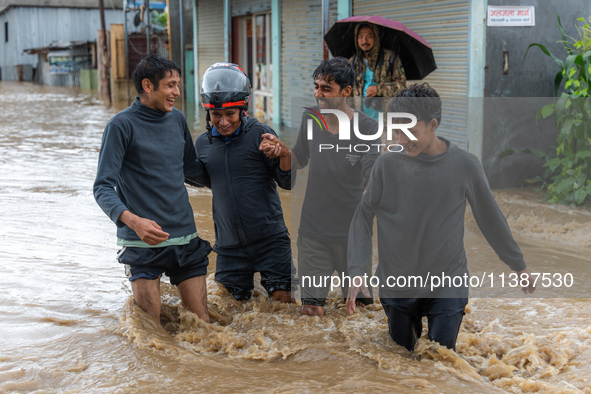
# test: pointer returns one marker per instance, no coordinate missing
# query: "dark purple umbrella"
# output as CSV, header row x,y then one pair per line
x,y
416,55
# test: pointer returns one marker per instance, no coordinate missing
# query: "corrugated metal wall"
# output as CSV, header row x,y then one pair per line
x,y
210,33
31,27
246,7
301,50
444,25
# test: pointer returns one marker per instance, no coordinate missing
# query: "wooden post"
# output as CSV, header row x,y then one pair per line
x,y
168,31
117,60
103,59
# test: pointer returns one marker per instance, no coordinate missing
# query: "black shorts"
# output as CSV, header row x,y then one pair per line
x,y
271,256
179,263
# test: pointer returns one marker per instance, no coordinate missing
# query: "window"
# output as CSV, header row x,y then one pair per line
x,y
5,31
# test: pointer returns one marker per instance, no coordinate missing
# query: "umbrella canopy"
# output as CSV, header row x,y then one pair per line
x,y
415,54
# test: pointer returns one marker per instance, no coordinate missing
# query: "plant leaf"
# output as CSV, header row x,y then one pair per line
x,y
564,39
564,186
557,82
535,179
547,110
506,153
547,52
552,164
580,196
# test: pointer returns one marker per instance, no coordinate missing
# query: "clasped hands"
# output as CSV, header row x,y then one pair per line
x,y
272,147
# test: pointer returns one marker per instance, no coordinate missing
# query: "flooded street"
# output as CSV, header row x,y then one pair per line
x,y
67,322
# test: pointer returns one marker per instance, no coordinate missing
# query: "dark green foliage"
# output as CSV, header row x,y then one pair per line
x,y
567,170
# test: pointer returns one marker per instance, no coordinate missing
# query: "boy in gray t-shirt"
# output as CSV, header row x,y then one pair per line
x,y
419,200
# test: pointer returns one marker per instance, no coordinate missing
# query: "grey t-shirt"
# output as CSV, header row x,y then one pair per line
x,y
336,178
420,204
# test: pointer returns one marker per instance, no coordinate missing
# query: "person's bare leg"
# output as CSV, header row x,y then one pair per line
x,y
283,296
312,310
146,294
194,296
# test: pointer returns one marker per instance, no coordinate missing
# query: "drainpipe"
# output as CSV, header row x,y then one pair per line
x,y
477,63
227,30
182,43
147,27
196,81
276,58
324,29
125,11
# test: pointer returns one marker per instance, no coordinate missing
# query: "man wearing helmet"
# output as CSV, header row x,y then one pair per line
x,y
250,232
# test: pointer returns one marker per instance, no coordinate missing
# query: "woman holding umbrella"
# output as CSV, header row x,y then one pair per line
x,y
378,71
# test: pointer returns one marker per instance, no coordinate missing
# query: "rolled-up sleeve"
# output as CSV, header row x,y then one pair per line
x,y
284,178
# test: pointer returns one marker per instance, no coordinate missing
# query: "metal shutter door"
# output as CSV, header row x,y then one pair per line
x,y
444,25
301,51
210,14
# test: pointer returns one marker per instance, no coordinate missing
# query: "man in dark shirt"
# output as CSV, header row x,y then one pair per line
x,y
146,153
338,173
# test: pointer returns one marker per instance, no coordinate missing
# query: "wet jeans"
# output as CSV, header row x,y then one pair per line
x,y
271,256
405,319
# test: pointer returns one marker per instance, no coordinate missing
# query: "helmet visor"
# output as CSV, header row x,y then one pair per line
x,y
220,80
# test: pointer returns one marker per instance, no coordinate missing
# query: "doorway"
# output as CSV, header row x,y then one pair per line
x,y
252,51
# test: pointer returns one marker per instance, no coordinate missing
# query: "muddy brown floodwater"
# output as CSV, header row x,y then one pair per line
x,y
67,322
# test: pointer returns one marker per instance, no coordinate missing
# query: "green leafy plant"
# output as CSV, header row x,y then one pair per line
x,y
567,170
160,20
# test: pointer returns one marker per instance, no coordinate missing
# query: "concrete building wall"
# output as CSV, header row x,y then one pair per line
x,y
509,118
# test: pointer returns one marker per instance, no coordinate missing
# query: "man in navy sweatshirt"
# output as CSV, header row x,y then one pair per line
x,y
146,154
419,199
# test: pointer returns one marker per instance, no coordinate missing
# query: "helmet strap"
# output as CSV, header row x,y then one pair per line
x,y
208,126
243,116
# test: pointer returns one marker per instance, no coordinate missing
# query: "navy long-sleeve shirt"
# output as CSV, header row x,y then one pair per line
x,y
246,206
144,158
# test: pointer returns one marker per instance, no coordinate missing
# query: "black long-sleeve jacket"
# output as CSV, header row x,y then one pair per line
x,y
246,205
